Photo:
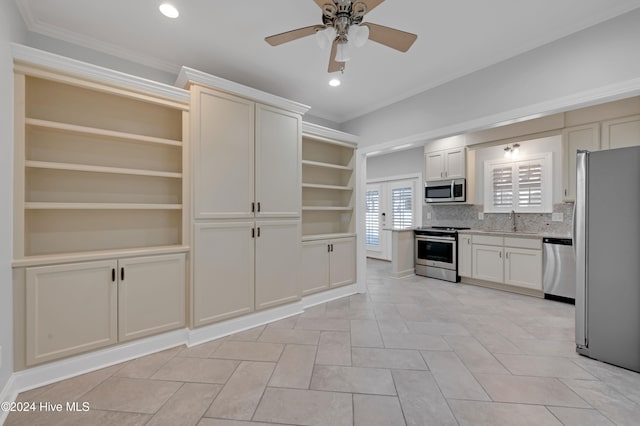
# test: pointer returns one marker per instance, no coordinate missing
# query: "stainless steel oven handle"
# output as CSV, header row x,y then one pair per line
x,y
431,238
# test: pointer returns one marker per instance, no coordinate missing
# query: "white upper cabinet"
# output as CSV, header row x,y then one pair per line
x,y
223,155
278,178
621,132
246,158
445,164
573,139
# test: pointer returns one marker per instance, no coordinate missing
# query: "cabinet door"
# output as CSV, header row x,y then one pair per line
x,y
70,309
151,295
277,263
487,263
223,266
523,268
342,262
315,266
278,178
621,133
434,165
464,255
575,138
455,163
223,155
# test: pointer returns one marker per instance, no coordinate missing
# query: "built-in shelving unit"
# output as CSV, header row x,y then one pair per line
x,y
98,168
328,182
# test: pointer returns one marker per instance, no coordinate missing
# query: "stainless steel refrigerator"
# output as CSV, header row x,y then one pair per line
x,y
607,241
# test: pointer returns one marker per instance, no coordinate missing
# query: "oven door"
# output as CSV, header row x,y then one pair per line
x,y
436,251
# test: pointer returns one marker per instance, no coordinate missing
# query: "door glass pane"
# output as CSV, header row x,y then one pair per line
x,y
372,221
402,207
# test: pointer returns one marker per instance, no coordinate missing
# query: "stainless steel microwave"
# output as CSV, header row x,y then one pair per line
x,y
446,191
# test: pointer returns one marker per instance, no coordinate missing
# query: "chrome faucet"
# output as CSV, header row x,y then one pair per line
x,y
512,216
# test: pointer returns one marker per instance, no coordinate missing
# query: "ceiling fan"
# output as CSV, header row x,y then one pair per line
x,y
342,26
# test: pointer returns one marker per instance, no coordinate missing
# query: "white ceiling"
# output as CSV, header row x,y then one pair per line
x,y
226,38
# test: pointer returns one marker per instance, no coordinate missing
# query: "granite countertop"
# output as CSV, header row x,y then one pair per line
x,y
519,234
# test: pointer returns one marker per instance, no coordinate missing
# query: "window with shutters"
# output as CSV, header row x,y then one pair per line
x,y
524,185
372,224
402,207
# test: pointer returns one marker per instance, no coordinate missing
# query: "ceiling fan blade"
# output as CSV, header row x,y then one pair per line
x,y
321,3
281,38
371,4
334,66
391,37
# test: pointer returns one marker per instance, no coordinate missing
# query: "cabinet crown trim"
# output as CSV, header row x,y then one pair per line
x,y
189,75
63,64
312,130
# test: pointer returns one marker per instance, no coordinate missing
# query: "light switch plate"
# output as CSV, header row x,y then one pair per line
x,y
428,216
480,215
557,217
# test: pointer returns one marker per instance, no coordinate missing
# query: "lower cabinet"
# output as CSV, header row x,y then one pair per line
x,y
465,255
509,260
75,308
488,262
328,264
239,267
277,263
523,267
223,254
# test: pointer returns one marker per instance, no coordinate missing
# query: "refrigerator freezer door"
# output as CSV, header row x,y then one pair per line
x,y
613,253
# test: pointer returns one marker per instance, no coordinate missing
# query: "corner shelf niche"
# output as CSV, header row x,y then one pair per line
x,y
328,182
98,167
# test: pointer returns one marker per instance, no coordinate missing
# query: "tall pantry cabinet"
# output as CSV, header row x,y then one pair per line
x,y
100,190
246,199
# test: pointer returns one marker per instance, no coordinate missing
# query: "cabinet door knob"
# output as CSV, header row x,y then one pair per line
x,y
500,254
253,207
253,232
122,274
258,211
328,248
113,274
258,229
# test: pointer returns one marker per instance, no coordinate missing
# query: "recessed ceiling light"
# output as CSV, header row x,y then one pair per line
x,y
169,10
334,82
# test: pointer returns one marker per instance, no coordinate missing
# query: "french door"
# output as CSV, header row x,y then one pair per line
x,y
389,204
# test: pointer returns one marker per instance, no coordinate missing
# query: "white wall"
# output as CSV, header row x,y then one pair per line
x,y
399,163
595,58
11,29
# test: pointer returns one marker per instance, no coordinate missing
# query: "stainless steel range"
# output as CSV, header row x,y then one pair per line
x,y
437,252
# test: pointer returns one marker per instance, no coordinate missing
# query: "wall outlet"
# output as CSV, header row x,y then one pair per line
x,y
428,216
480,215
557,217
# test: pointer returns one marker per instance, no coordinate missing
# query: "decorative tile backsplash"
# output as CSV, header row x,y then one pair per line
x,y
467,215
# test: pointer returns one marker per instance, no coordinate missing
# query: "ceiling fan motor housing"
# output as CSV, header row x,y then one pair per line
x,y
341,14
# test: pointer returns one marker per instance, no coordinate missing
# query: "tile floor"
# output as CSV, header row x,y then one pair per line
x,y
414,351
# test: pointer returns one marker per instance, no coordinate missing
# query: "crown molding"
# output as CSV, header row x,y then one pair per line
x,y
35,25
45,59
189,75
326,132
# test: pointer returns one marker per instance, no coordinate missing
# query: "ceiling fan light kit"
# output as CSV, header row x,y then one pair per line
x,y
342,28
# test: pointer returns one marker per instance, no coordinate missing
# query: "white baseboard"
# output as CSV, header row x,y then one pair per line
x,y
404,274
329,295
235,325
64,369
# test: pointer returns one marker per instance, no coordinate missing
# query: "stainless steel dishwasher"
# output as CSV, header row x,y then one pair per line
x,y
559,280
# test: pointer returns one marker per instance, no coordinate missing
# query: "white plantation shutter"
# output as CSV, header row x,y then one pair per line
x,y
402,207
530,184
372,221
502,186
524,186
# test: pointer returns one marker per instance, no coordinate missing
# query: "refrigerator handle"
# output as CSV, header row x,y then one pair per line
x,y
580,244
